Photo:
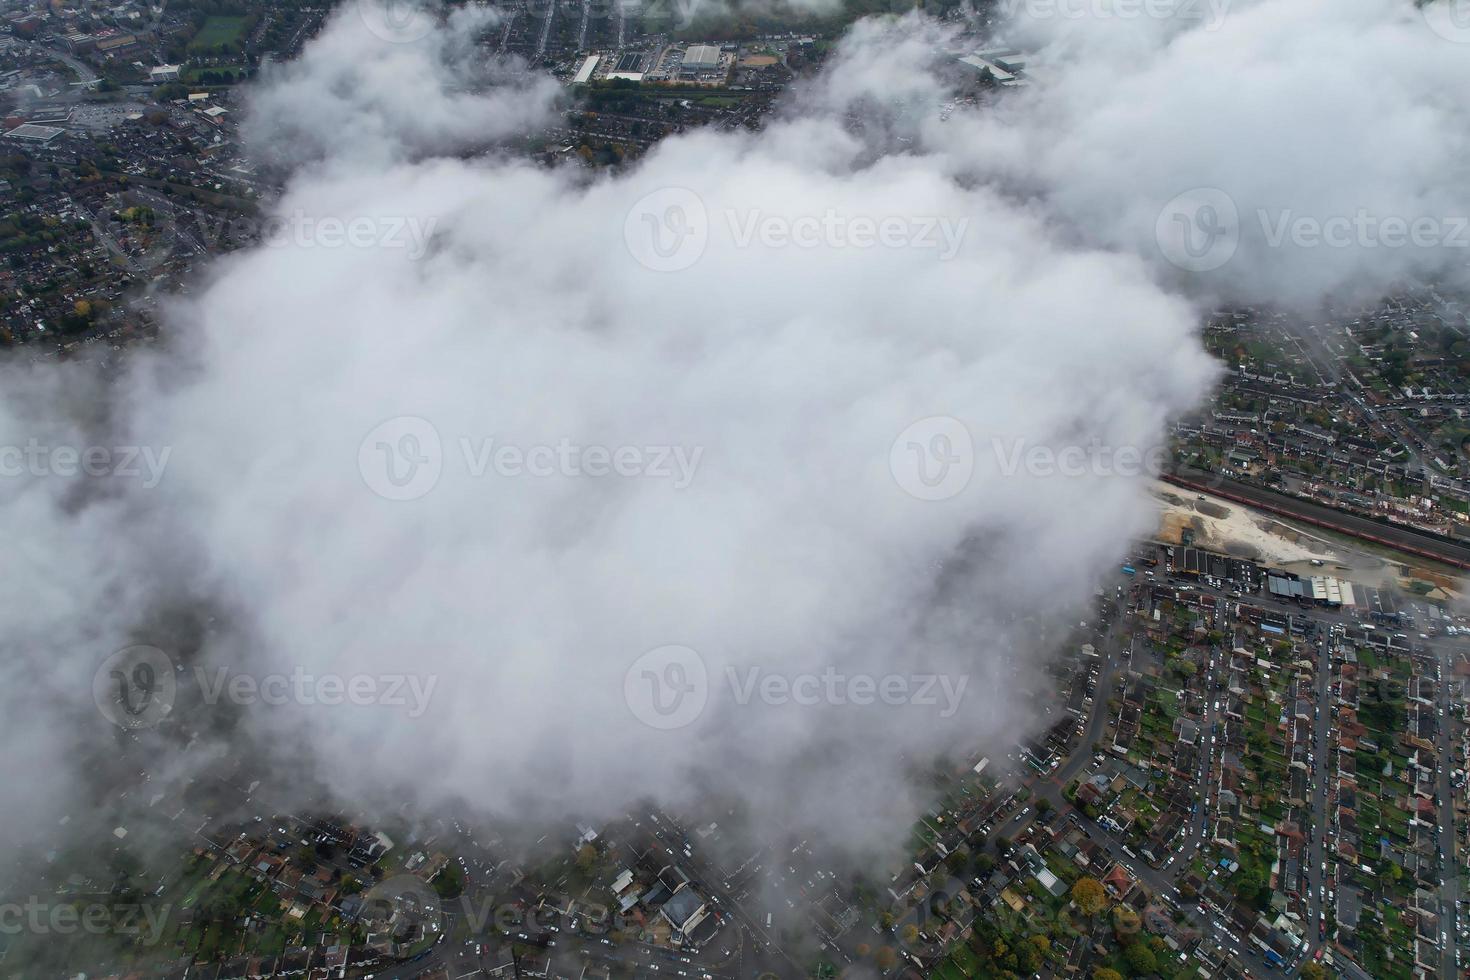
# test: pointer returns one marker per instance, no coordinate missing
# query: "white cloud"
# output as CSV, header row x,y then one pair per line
x,y
803,319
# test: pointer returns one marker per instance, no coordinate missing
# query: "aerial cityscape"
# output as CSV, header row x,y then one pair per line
x,y
735,489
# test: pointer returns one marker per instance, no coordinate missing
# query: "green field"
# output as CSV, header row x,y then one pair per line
x,y
217,31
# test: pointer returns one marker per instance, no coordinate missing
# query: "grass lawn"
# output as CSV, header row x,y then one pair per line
x,y
950,970
218,30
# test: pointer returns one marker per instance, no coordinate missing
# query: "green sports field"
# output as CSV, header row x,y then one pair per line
x,y
218,30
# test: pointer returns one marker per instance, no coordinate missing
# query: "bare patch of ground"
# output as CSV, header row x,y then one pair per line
x,y
1233,530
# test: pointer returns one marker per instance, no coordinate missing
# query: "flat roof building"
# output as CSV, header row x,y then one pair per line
x,y
32,133
701,57
584,74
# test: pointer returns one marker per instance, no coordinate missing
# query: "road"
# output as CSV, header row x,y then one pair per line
x,y
545,31
84,71
1322,820
1449,869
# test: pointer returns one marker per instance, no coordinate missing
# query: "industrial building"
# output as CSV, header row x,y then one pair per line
x,y
584,74
1325,590
32,133
701,57
1006,65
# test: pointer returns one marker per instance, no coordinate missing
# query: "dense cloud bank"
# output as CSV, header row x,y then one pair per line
x,y
544,491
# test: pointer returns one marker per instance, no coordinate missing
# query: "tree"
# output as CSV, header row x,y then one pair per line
x,y
985,863
887,959
911,933
1028,958
1089,895
1125,921
1141,959
1105,973
586,857
1043,806
449,882
1313,971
